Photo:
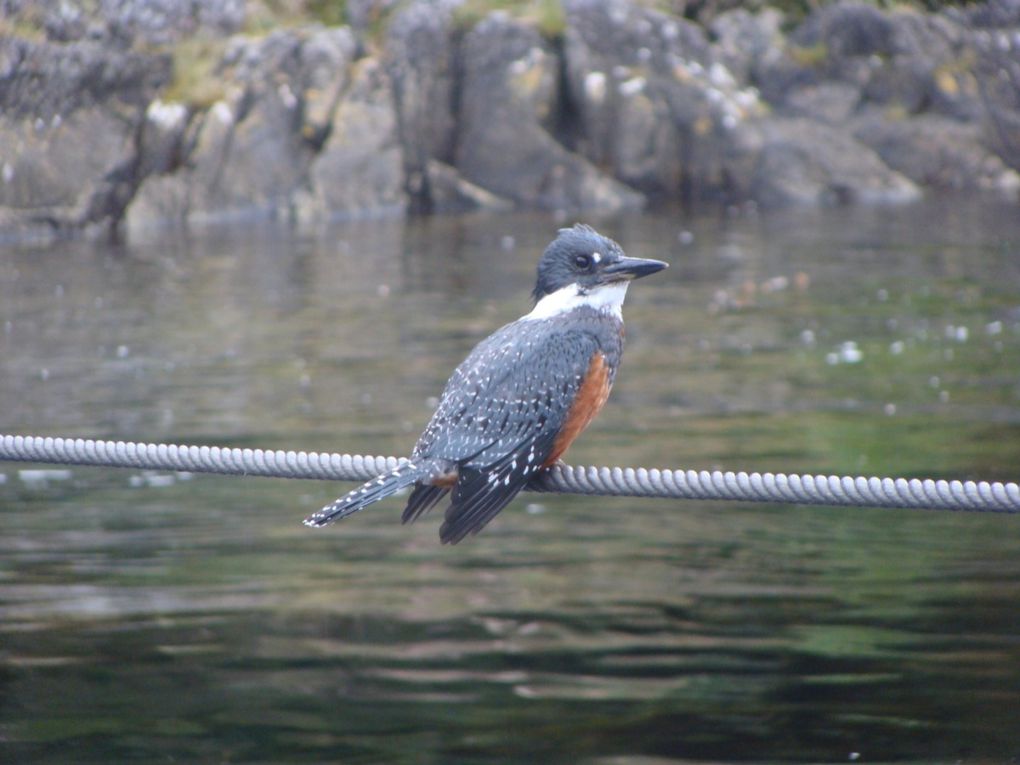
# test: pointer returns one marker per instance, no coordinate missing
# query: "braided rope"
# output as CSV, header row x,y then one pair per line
x,y
789,488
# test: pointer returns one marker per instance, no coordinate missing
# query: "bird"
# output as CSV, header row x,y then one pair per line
x,y
517,402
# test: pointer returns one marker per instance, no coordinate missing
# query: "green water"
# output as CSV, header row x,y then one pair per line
x,y
160,618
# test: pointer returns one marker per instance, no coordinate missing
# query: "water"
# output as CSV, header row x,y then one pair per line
x,y
151,617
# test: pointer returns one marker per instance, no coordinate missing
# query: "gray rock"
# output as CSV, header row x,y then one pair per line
x,y
267,157
843,42
994,14
961,63
927,71
1003,134
186,192
324,61
746,42
59,168
366,15
303,132
938,152
421,58
359,171
847,30
856,46
509,109
69,117
652,103
161,141
902,59
161,203
46,80
830,102
952,64
858,104
806,163
997,75
449,193
254,150
126,22
213,133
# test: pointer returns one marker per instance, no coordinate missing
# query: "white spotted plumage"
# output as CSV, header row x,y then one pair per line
x,y
499,417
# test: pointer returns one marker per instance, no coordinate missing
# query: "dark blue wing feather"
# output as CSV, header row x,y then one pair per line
x,y
501,411
481,493
422,499
520,380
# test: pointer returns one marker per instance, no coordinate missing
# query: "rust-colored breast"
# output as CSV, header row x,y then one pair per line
x,y
589,402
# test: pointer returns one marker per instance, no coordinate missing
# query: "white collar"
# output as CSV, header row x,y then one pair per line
x,y
607,298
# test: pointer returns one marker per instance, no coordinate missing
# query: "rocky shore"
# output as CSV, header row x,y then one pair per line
x,y
137,116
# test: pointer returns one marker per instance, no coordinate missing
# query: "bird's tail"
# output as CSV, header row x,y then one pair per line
x,y
389,483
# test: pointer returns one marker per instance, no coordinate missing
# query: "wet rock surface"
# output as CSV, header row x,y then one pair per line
x,y
137,116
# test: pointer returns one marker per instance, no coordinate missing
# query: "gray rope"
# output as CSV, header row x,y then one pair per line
x,y
979,496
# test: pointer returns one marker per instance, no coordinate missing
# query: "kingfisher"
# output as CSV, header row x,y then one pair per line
x,y
521,397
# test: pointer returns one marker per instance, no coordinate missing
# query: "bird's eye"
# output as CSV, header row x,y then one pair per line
x,y
583,261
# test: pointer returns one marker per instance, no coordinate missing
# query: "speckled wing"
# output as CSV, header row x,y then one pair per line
x,y
500,413
481,493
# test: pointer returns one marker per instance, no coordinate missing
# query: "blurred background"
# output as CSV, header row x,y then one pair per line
x,y
281,225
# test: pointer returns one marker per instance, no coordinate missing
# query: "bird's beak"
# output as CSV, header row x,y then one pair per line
x,y
633,268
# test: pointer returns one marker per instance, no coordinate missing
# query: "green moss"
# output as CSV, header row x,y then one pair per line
x,y
811,55
195,81
550,17
547,16
267,15
332,13
22,28
896,113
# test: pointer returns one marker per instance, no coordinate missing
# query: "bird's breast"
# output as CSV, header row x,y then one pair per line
x,y
590,398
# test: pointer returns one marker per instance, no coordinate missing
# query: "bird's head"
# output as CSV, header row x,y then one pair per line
x,y
581,256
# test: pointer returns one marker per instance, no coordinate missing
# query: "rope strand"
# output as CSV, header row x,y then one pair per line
x,y
788,488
